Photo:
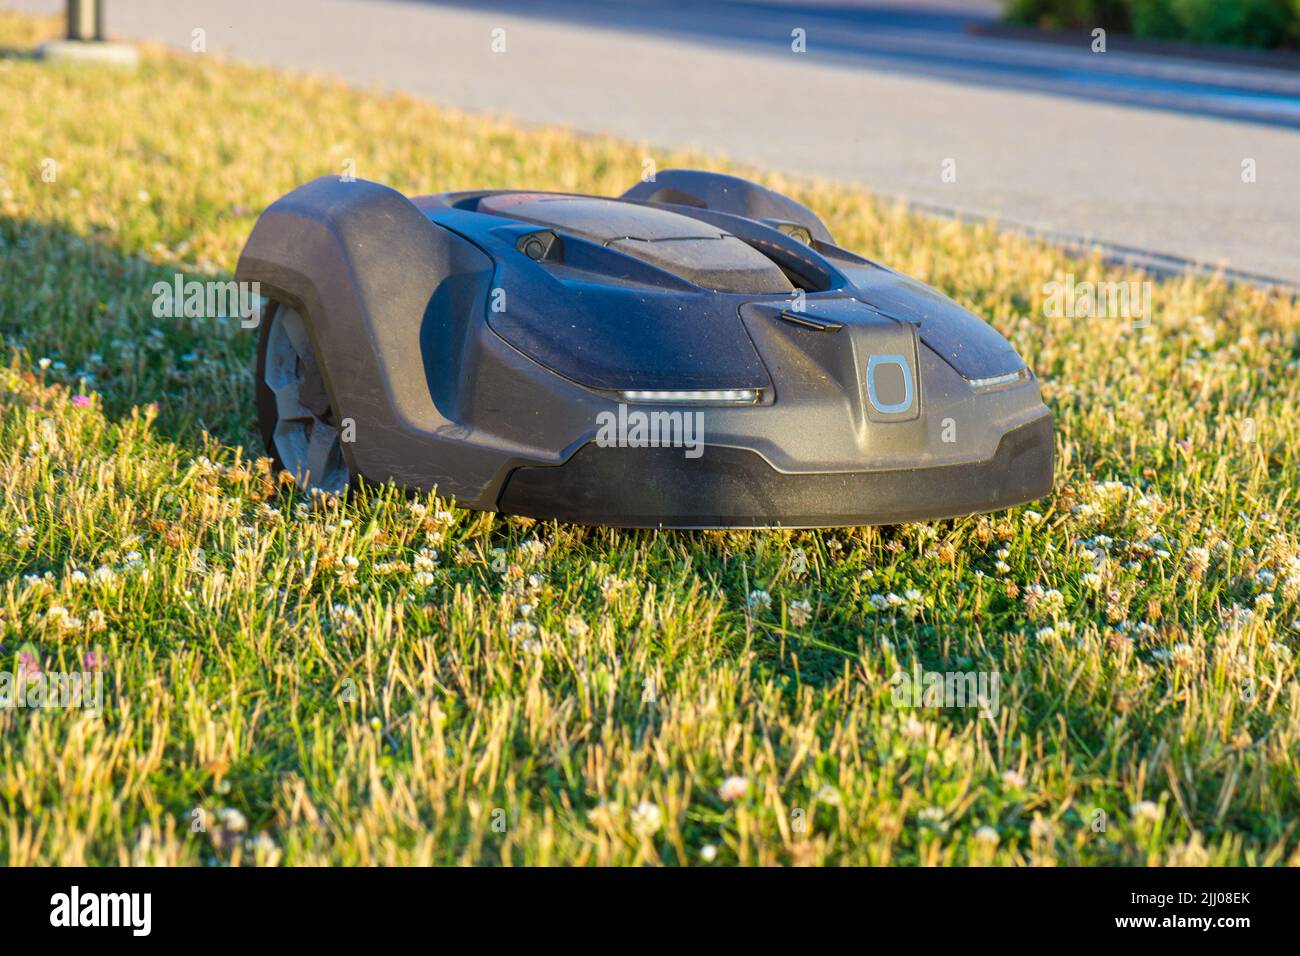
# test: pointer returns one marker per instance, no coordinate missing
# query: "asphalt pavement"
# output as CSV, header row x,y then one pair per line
x,y
1184,161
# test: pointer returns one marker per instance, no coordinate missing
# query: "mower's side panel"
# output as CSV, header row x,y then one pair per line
x,y
376,281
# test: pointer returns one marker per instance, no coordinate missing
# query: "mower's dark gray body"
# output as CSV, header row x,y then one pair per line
x,y
474,340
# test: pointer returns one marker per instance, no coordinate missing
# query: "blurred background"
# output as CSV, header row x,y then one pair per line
x,y
1168,131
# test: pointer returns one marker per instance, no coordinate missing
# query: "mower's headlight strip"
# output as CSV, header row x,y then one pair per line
x,y
717,396
998,381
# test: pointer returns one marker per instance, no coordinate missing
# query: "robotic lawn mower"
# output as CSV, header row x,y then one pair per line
x,y
696,353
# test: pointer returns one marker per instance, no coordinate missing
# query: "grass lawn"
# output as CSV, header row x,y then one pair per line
x,y
389,680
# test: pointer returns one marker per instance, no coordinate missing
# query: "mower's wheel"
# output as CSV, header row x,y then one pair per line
x,y
293,408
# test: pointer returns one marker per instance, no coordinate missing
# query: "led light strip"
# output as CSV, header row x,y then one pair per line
x,y
983,384
717,396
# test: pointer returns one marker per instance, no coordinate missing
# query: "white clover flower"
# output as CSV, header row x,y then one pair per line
x,y
522,630
1013,779
759,600
1291,587
828,795
532,549
798,562
800,612
1044,602
423,579
344,616
913,603
610,586
647,818
232,819
733,788
1237,615
1145,811
25,536
1092,581
932,817
708,853
879,602
576,626
261,845
987,836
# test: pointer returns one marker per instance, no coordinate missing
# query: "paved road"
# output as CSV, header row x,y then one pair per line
x,y
1133,151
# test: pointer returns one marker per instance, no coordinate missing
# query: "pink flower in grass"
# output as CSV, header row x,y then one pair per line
x,y
29,664
81,401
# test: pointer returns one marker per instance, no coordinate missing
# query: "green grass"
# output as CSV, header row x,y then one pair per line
x,y
276,664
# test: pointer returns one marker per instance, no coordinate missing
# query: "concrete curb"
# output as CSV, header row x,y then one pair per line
x,y
104,52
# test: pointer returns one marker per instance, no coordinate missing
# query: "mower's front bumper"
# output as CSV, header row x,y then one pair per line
x,y
736,488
